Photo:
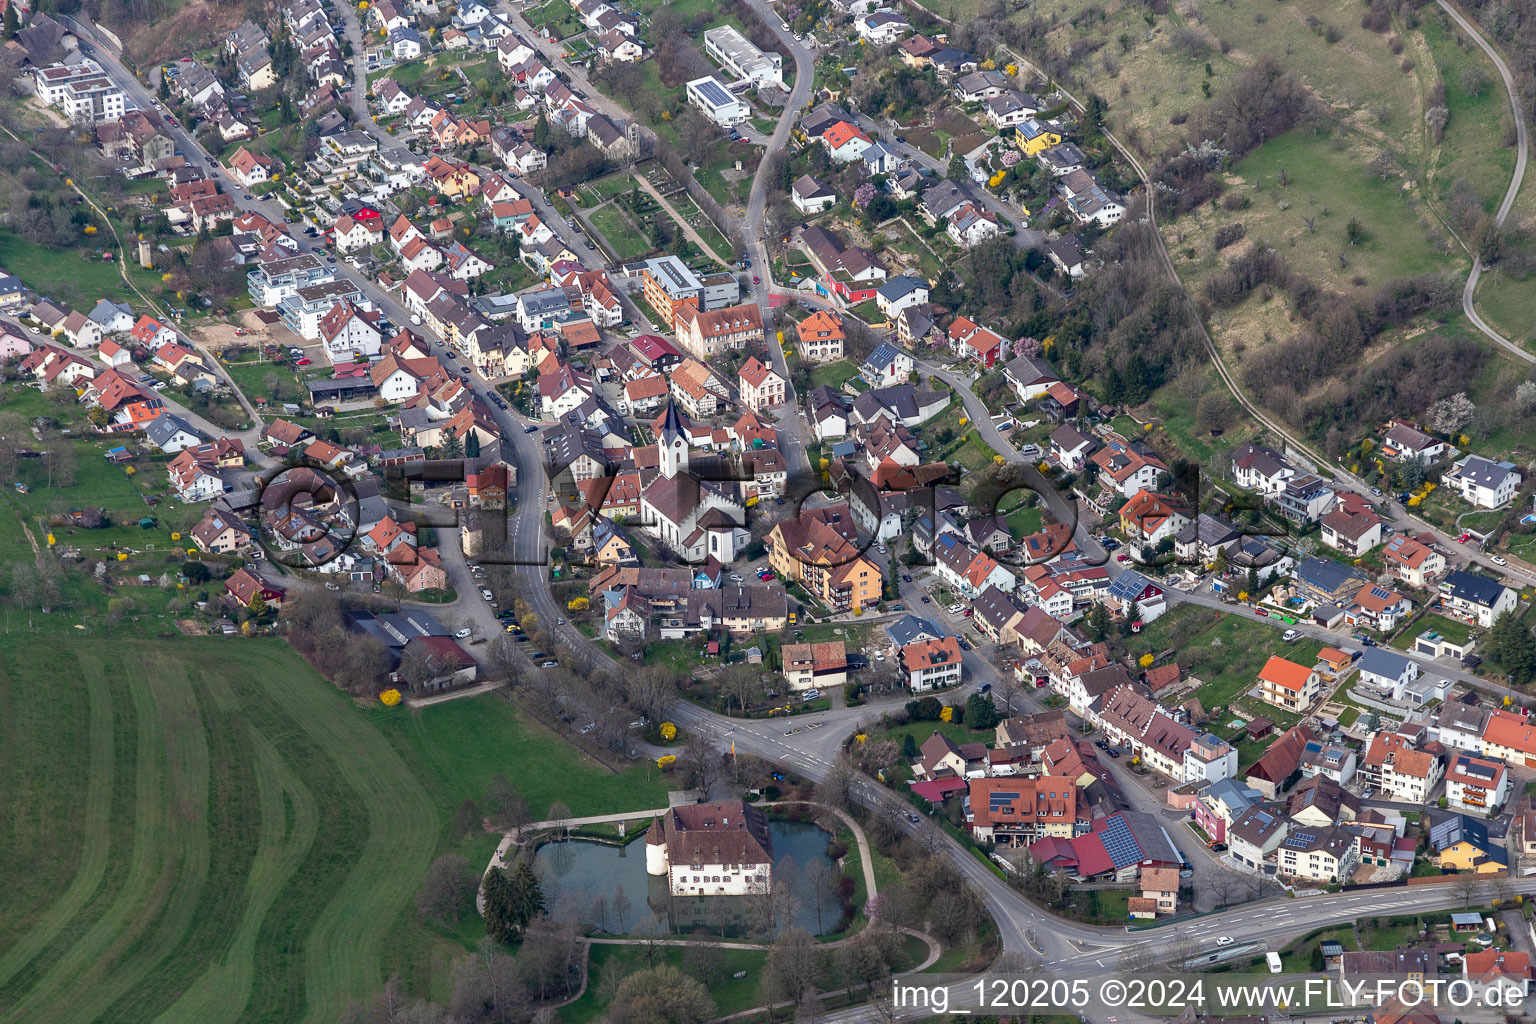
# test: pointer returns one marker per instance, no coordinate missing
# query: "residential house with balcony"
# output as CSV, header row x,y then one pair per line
x,y
1476,785
1288,685
1483,482
1398,771
1476,598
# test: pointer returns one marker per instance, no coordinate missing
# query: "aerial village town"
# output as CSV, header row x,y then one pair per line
x,y
580,339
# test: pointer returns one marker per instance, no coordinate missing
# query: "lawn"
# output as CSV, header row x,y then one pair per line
x,y
1226,652
66,275
1024,521
622,237
234,841
731,994
557,18
463,743
1457,632
832,374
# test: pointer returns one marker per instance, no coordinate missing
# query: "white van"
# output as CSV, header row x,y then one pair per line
x,y
1274,962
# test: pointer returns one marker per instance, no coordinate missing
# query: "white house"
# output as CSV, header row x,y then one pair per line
x,y
882,27
809,196
717,102
346,331
1475,597
899,293
1483,482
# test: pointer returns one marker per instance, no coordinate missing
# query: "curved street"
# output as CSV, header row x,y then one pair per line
x,y
1062,945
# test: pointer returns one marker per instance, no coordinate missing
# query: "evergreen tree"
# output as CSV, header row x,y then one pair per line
x,y
500,916
1220,562
980,712
472,445
957,172
1253,581
1114,386
1510,642
1132,613
908,746
452,448
11,23
527,896
1098,623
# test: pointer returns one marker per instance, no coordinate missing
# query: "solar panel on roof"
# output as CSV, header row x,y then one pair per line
x,y
1381,593
711,91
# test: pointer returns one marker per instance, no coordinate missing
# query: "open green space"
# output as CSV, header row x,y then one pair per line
x,y
1326,182
1456,632
1469,151
1224,651
557,18
464,743
832,374
731,994
626,240
233,841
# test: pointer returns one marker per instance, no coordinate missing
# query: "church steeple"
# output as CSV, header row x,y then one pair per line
x,y
672,445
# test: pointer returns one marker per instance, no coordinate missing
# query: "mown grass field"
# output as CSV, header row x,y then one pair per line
x,y
231,840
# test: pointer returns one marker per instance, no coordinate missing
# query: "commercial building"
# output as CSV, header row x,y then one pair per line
x,y
741,57
716,101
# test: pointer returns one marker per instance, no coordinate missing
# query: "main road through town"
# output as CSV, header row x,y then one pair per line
x,y
1047,941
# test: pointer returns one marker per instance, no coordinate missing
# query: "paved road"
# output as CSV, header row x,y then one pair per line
x,y
1064,945
1522,153
792,441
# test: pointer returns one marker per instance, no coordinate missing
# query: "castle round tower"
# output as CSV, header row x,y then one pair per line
x,y
656,849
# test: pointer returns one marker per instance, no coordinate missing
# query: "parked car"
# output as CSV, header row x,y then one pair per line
x,y
1289,635
906,577
462,634
485,593
1498,560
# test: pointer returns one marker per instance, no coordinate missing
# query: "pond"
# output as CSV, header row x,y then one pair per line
x,y
583,880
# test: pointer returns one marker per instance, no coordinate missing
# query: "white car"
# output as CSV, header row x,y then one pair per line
x,y
1289,635
462,634
1498,559
1224,940
486,593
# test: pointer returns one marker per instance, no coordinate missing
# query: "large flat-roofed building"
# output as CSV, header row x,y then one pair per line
x,y
741,57
82,91
716,101
670,285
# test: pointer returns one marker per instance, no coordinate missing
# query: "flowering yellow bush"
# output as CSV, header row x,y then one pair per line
x,y
668,731
390,697
666,761
948,714
1242,595
860,737
577,604
1145,661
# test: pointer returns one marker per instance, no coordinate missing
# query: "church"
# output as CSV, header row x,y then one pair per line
x,y
694,505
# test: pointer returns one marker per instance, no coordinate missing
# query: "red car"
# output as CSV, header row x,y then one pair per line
x,y
969,612
1464,538
1262,613
756,279
1120,557
304,362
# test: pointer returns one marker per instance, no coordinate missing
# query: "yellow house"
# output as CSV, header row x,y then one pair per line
x,y
1032,137
1462,843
